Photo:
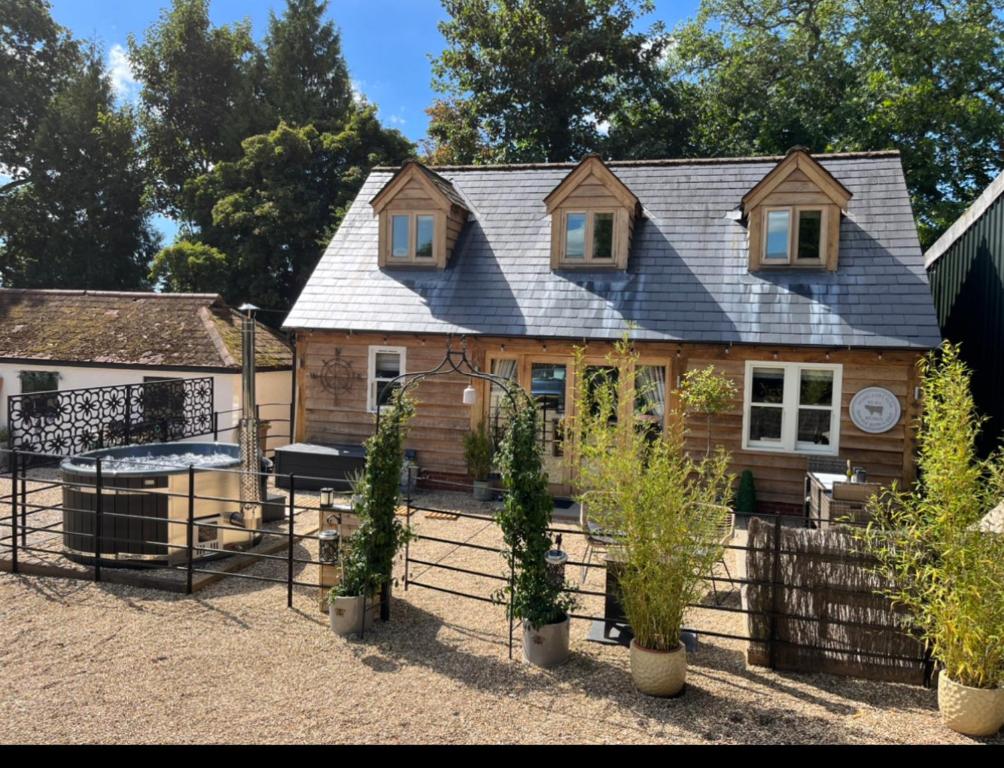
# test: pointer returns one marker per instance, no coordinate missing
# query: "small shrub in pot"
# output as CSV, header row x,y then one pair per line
x,y
478,455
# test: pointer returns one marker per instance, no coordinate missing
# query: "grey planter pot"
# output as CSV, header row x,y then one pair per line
x,y
347,616
546,646
483,490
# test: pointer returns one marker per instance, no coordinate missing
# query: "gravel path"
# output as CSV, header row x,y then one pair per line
x,y
83,662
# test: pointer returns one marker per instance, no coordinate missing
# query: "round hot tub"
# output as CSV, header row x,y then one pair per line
x,y
145,503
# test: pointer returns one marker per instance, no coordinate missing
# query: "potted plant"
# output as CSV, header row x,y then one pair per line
x,y
478,455
946,570
367,564
536,596
665,511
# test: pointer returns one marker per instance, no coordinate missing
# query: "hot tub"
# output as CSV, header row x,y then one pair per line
x,y
144,495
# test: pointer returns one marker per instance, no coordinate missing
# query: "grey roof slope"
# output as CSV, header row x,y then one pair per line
x,y
687,277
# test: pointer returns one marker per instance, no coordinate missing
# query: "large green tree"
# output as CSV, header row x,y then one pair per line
x,y
273,210
538,80
37,57
306,78
201,96
925,77
80,220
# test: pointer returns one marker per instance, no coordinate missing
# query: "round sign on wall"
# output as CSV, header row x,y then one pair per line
x,y
874,410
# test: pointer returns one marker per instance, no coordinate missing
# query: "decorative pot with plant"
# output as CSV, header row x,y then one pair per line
x,y
368,562
478,455
946,571
664,510
535,596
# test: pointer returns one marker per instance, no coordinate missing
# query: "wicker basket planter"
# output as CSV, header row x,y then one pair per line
x,y
970,711
659,673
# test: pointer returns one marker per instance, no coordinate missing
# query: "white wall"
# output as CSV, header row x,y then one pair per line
x,y
271,387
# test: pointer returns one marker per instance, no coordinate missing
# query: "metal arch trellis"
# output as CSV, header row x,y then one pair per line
x,y
457,361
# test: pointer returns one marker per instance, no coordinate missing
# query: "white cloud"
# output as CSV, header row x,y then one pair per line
x,y
396,120
357,91
124,82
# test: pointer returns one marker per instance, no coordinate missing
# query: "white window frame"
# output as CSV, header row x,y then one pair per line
x,y
789,409
794,214
371,379
587,254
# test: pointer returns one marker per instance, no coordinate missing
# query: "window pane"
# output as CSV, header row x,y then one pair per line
x,y
548,390
816,388
768,385
39,381
385,392
601,389
765,423
778,226
603,236
388,365
810,229
575,236
814,426
424,227
650,395
399,235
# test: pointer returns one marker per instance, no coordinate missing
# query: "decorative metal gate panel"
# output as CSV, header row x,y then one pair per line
x,y
70,421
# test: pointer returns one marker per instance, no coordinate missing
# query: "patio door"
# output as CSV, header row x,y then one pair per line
x,y
549,386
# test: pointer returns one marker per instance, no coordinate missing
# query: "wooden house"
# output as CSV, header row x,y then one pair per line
x,y
801,277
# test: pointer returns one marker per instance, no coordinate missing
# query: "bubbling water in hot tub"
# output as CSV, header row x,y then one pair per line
x,y
150,462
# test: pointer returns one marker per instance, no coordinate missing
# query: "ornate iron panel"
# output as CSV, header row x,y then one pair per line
x,y
71,421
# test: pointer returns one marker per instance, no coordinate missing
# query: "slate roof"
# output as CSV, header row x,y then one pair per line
x,y
687,276
186,330
962,224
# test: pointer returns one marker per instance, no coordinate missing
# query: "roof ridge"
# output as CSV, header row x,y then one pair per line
x,y
216,338
864,154
125,294
966,219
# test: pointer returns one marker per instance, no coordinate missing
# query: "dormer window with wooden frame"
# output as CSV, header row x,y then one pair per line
x,y
420,218
592,218
793,215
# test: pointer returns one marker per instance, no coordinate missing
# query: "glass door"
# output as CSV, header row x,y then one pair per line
x,y
549,388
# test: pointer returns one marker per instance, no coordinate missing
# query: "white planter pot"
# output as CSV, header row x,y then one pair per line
x,y
546,646
970,711
658,673
483,490
347,616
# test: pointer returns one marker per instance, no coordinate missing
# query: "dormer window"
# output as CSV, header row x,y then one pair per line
x,y
421,216
413,236
592,217
793,215
794,235
589,236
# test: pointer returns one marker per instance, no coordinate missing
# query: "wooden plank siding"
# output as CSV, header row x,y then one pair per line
x,y
441,421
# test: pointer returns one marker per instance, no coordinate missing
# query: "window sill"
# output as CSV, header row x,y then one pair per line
x,y
828,451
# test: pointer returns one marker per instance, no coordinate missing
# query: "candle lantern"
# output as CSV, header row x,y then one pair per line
x,y
328,546
327,497
555,560
470,395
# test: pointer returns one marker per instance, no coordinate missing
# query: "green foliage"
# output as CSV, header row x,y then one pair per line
x,y
746,495
368,564
37,60
189,267
945,571
666,511
200,96
923,77
81,221
272,210
533,596
306,78
707,392
478,453
537,80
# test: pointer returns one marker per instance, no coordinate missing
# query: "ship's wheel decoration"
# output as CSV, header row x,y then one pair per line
x,y
337,375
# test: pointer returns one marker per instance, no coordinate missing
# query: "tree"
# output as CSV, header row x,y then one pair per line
x,y
541,78
82,221
922,76
37,57
272,211
200,97
306,78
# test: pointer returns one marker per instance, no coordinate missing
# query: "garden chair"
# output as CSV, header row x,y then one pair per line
x,y
595,536
725,534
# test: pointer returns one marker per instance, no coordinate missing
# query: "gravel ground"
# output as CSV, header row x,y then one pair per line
x,y
103,663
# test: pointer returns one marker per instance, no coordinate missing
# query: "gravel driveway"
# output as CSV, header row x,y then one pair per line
x,y
82,662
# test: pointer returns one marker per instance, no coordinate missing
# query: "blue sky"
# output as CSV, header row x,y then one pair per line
x,y
387,44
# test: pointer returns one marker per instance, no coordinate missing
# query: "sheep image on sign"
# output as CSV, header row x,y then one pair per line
x,y
874,410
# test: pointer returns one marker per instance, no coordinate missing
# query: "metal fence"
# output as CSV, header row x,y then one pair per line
x,y
26,518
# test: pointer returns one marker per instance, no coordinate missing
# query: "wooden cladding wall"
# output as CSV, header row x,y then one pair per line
x,y
332,408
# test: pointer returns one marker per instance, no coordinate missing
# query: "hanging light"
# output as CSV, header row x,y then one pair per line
x,y
470,396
